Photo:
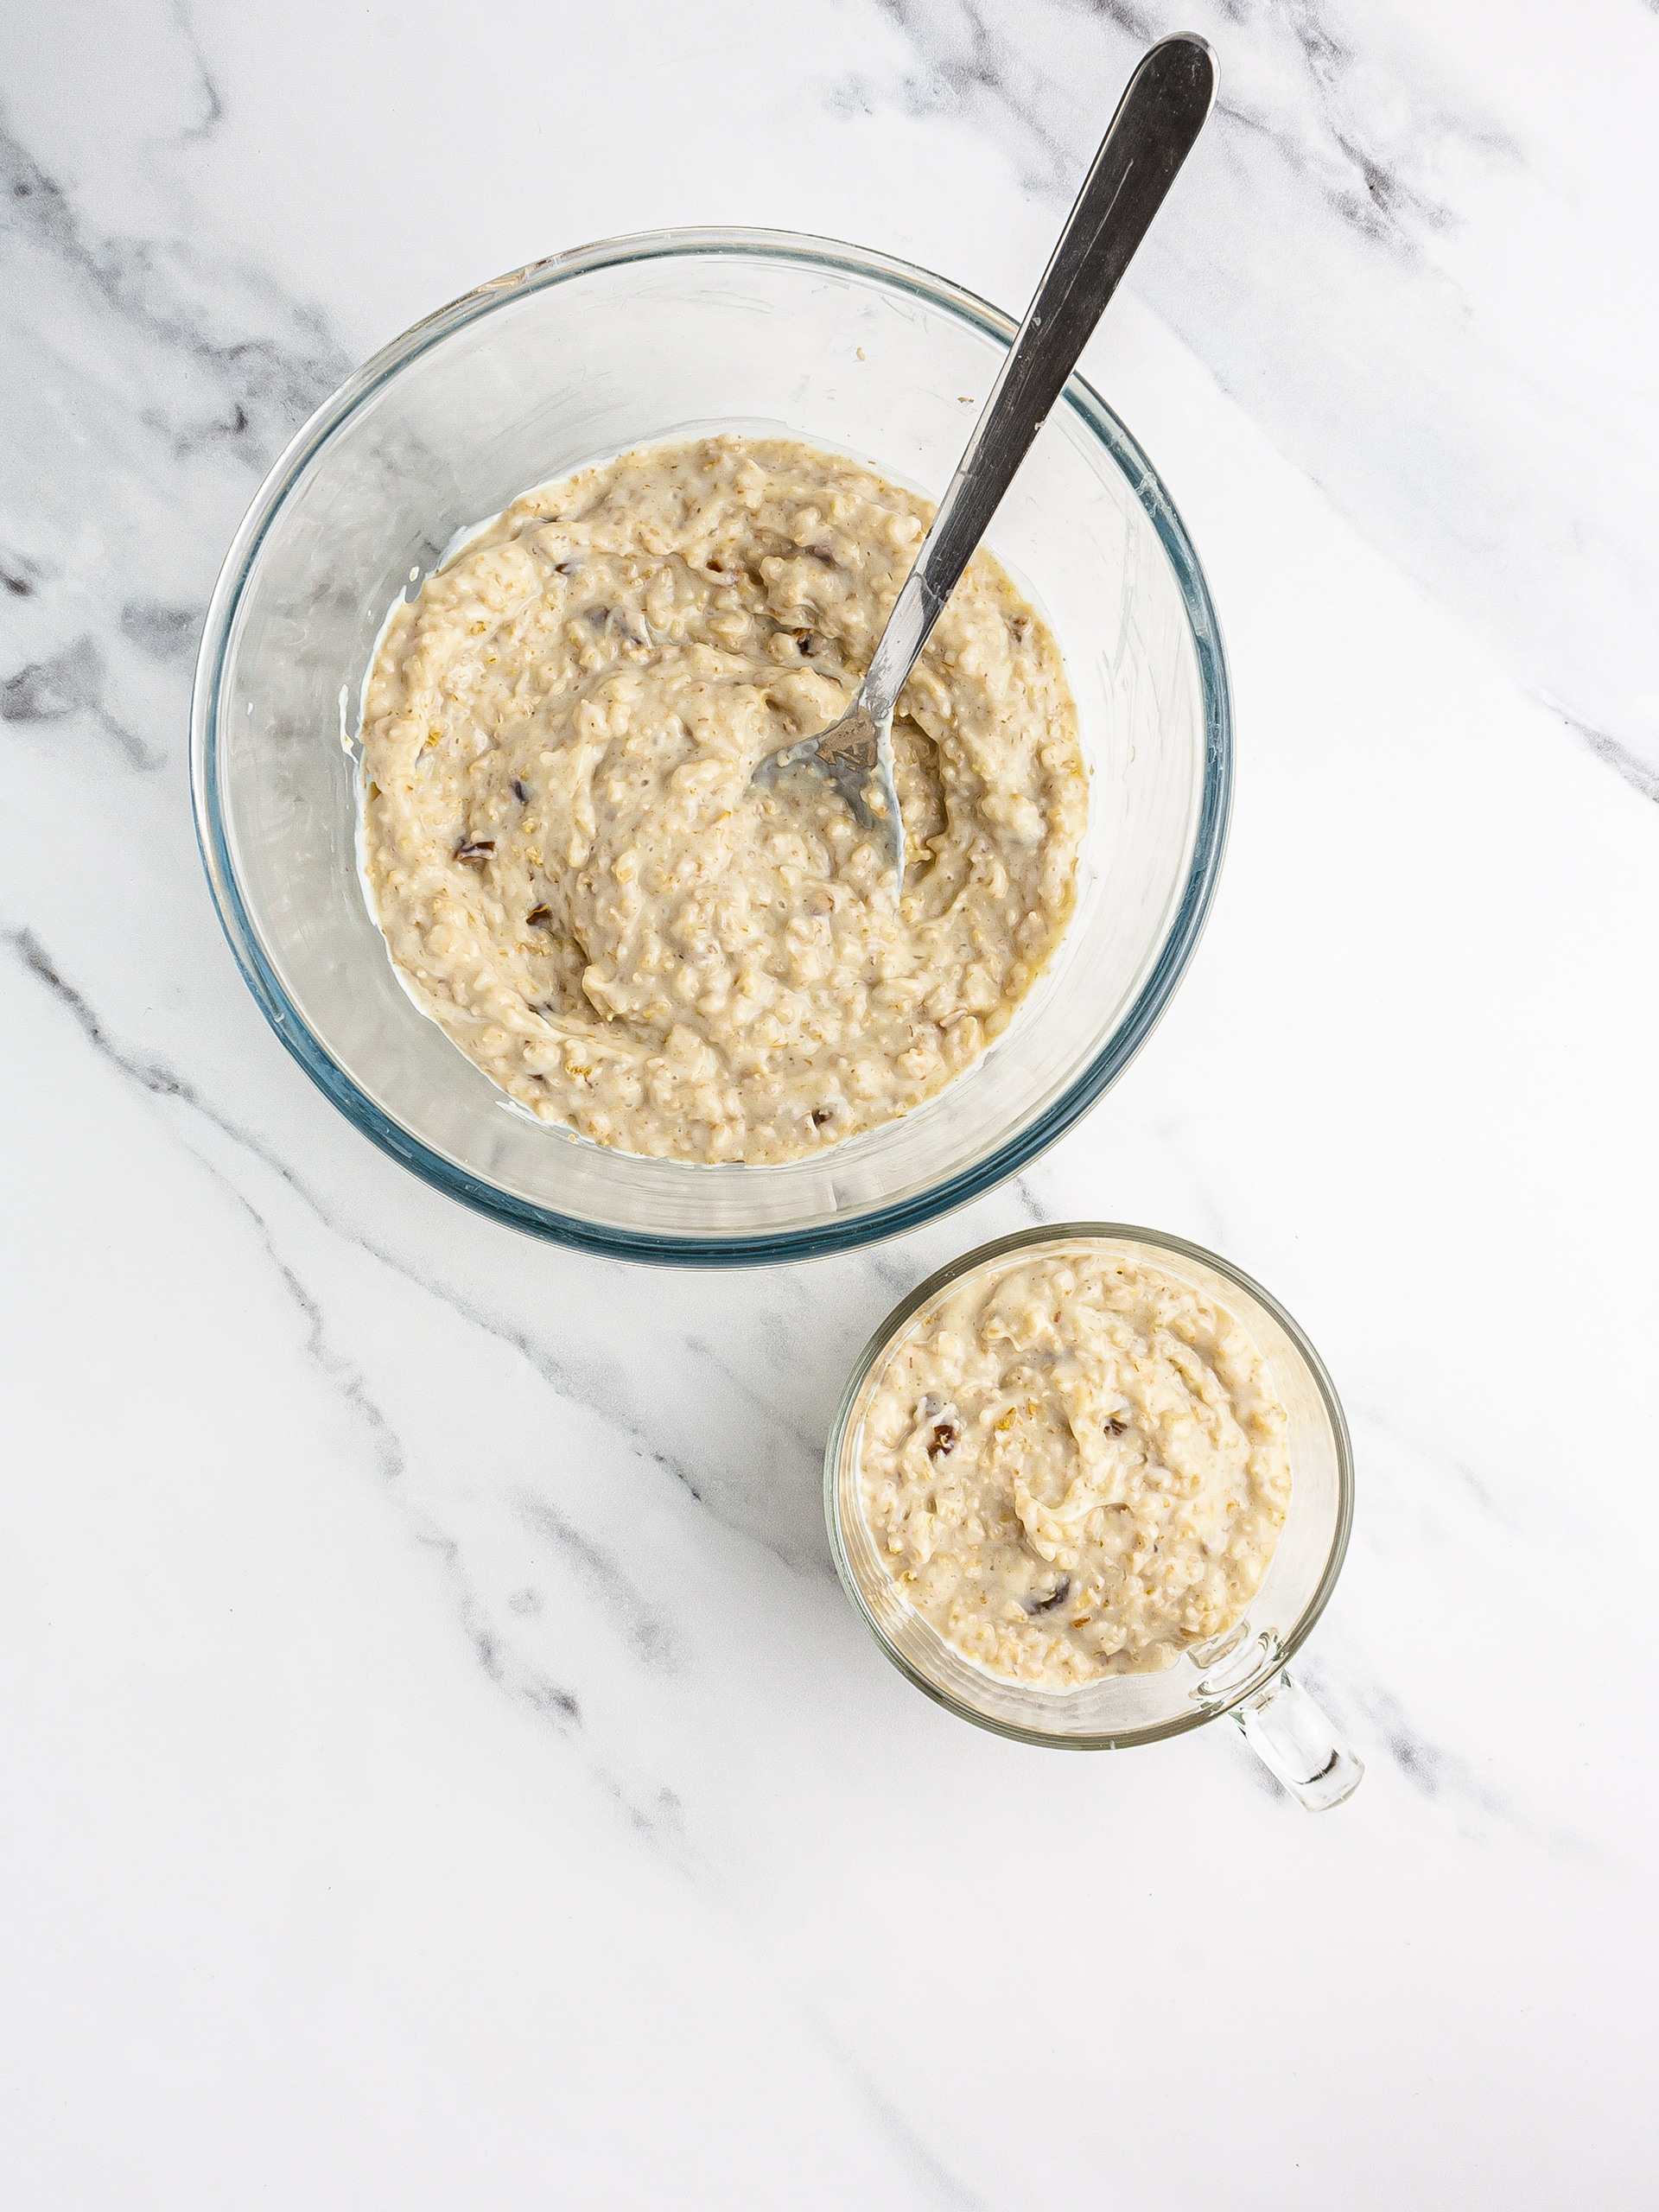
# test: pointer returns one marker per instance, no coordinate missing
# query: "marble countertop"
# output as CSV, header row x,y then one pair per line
x,y
439,1766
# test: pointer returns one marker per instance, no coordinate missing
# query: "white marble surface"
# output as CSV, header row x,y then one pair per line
x,y
439,1766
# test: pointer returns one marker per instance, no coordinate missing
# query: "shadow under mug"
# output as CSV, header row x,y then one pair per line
x,y
1242,1672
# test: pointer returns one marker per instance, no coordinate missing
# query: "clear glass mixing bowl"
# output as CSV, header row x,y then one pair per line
x,y
1242,1672
677,333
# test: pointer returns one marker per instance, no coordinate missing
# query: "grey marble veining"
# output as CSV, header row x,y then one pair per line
x,y
440,1755
1405,256
150,382
508,1660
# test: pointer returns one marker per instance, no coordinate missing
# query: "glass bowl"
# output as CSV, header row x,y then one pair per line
x,y
1242,1672
680,333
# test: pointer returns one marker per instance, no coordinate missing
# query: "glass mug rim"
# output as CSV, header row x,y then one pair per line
x,y
617,1240
1285,1647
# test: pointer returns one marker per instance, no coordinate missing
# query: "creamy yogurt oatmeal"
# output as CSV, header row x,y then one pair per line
x,y
1075,1466
575,874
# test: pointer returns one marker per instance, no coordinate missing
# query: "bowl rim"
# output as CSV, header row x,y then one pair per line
x,y
765,1246
1061,1232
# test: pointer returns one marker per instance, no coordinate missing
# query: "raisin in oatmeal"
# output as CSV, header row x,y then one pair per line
x,y
578,880
1075,1466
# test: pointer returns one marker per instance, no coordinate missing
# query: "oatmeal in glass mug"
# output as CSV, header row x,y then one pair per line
x,y
1090,1486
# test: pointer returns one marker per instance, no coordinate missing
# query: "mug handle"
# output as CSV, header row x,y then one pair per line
x,y
1297,1745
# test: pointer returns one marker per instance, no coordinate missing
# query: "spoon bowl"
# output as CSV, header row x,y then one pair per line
x,y
856,753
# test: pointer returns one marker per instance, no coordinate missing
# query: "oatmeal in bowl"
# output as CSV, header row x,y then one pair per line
x,y
581,883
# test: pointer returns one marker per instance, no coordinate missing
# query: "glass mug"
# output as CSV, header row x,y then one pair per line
x,y
1242,1672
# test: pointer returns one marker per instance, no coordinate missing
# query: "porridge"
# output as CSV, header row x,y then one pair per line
x,y
1075,1466
578,880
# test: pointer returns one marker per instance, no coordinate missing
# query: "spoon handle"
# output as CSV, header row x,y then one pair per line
x,y
1160,114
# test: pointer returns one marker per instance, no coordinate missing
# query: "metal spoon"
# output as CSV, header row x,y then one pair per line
x,y
1160,114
